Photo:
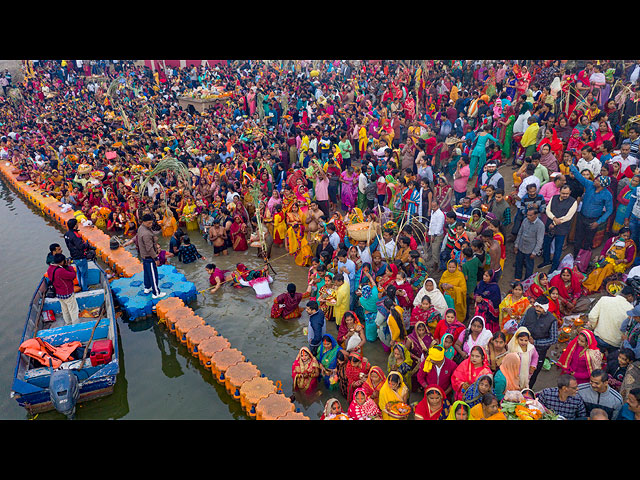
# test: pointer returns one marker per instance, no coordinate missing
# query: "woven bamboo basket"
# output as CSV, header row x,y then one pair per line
x,y
362,232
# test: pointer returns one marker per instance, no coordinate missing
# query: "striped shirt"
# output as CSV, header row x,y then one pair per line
x,y
572,408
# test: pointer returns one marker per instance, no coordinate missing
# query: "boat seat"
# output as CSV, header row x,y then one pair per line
x,y
80,332
86,300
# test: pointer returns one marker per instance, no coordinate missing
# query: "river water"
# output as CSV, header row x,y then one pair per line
x,y
159,378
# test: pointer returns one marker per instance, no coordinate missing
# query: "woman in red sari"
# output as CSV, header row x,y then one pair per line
x,y
356,371
603,134
571,298
433,406
581,357
374,382
305,371
238,233
469,370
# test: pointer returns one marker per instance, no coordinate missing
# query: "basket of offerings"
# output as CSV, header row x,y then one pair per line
x,y
84,168
362,232
614,287
398,409
527,410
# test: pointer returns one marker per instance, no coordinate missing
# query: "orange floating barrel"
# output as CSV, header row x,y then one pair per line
x,y
167,304
236,375
208,347
253,391
294,416
273,406
185,324
222,360
197,335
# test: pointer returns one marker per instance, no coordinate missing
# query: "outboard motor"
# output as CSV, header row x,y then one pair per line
x,y
64,391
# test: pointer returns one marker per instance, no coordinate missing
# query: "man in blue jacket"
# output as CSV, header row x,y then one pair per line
x,y
317,327
597,207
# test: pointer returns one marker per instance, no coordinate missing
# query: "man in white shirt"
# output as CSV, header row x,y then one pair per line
x,y
624,157
388,246
436,233
589,161
334,238
526,181
606,317
153,188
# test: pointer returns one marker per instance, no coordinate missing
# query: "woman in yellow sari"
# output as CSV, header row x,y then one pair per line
x,y
512,308
362,138
189,215
393,390
343,297
617,256
169,223
297,243
454,284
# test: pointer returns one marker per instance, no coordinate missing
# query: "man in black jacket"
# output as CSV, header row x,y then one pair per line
x,y
78,252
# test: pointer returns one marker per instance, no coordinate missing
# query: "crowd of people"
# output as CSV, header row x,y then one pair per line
x,y
387,181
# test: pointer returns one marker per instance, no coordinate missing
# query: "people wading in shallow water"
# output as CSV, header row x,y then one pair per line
x,y
319,155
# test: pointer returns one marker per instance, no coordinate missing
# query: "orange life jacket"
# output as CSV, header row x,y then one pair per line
x,y
44,352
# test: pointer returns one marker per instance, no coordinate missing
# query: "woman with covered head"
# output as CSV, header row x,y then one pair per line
x,y
305,371
436,297
363,407
617,256
433,406
453,283
581,357
469,370
393,390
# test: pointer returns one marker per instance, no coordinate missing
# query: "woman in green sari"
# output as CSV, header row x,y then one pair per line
x,y
368,296
400,361
505,134
328,359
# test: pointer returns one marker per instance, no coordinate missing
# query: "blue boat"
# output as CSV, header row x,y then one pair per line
x,y
32,380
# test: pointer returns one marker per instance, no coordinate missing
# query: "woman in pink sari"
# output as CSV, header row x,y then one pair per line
x,y
469,370
581,357
363,407
349,195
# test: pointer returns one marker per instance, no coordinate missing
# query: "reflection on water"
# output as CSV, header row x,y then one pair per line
x,y
163,380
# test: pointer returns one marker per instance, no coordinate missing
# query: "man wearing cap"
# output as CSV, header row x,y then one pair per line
x,y
436,369
62,276
543,327
597,207
78,253
608,314
148,248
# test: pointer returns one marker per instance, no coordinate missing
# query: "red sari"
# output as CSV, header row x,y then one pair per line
x,y
356,375
238,236
468,373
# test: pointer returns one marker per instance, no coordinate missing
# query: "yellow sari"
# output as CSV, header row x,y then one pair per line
x,y
608,266
190,217
298,244
519,307
387,394
457,291
343,299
